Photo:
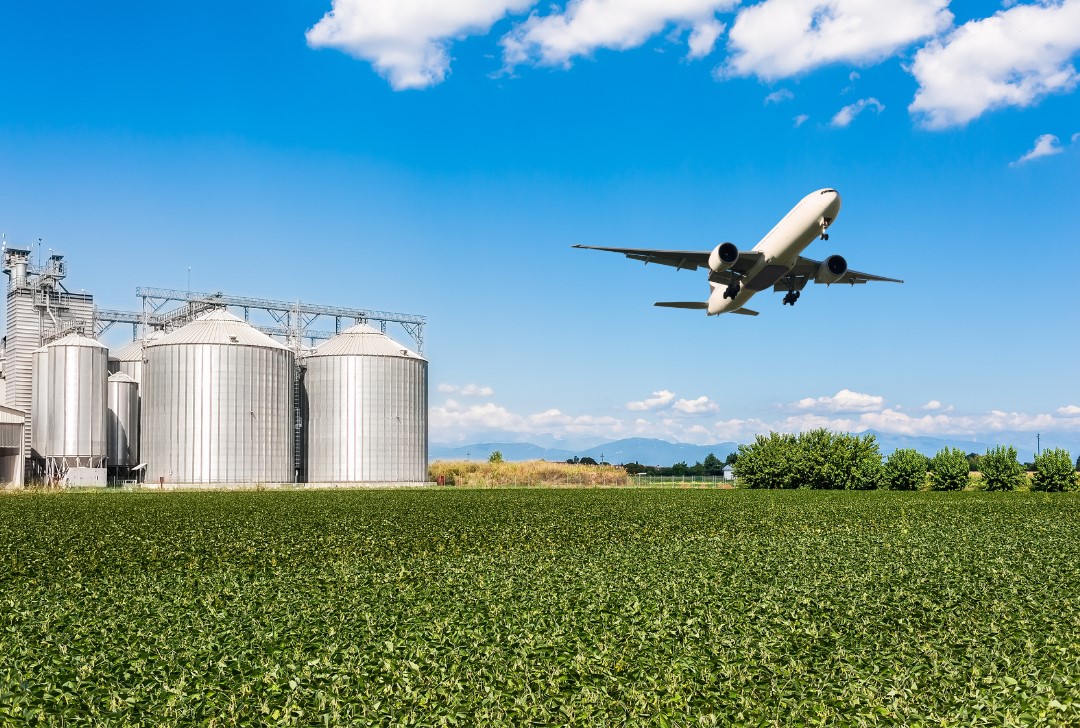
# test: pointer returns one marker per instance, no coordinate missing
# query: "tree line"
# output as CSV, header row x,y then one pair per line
x,y
826,460
710,466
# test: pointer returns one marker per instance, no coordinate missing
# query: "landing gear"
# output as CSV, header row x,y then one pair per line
x,y
733,289
792,295
825,222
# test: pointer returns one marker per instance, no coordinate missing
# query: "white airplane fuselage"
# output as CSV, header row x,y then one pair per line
x,y
781,248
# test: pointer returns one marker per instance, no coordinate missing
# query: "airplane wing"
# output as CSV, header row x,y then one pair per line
x,y
682,304
808,268
701,306
681,259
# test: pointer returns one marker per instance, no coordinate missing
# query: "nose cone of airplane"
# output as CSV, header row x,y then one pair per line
x,y
832,198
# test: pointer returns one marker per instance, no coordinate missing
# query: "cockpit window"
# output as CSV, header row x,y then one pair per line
x,y
827,191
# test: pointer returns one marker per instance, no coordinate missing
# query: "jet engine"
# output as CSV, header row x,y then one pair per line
x,y
831,269
723,257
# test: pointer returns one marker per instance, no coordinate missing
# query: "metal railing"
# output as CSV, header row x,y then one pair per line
x,y
294,319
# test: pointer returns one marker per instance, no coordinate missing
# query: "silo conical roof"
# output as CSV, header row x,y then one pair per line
x,y
121,377
128,352
218,327
363,340
77,340
133,350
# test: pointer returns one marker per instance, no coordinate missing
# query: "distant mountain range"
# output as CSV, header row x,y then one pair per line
x,y
649,451
642,450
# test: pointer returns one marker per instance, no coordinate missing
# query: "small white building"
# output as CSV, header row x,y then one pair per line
x,y
12,427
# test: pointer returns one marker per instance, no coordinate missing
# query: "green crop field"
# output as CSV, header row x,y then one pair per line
x,y
540,607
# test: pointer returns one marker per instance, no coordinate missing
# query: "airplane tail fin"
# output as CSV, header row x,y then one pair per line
x,y
699,305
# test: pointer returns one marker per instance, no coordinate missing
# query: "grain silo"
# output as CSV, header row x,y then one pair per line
x,y
129,357
69,419
123,423
217,404
365,410
39,407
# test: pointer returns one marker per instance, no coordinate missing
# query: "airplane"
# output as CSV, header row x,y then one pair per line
x,y
736,275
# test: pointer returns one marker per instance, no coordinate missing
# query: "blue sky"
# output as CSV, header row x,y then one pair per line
x,y
441,159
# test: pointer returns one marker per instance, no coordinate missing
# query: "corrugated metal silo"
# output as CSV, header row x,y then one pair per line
x,y
73,431
39,407
217,404
123,421
366,410
129,357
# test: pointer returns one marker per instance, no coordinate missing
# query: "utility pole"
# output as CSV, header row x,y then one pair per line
x,y
1038,444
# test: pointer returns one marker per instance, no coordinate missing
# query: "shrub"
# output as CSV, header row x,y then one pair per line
x,y
816,459
905,470
768,462
812,460
1054,472
949,469
1001,470
855,462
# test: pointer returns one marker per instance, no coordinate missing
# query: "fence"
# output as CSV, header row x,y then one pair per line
x,y
715,481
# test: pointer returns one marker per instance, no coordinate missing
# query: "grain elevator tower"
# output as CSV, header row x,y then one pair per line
x,y
39,310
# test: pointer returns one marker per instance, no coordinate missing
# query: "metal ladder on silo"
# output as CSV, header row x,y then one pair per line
x,y
298,425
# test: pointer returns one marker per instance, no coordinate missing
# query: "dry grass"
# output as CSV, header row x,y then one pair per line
x,y
539,473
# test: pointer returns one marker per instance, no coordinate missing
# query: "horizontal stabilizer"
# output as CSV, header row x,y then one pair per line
x,y
745,311
700,305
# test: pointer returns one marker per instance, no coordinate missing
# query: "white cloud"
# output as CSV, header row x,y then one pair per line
x,y
843,401
852,78
703,37
935,406
1013,58
780,95
453,416
695,406
1075,138
586,25
800,120
847,114
468,390
659,399
1046,145
893,421
407,40
780,38
554,419
846,412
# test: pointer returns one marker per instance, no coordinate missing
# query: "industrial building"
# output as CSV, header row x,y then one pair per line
x,y
204,395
